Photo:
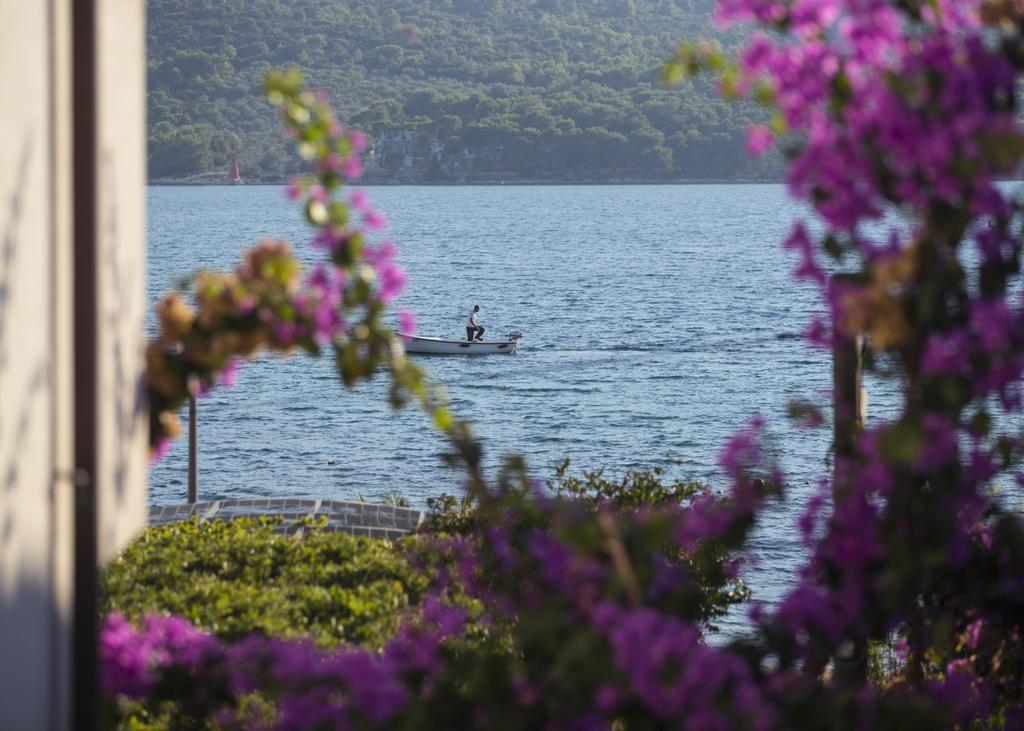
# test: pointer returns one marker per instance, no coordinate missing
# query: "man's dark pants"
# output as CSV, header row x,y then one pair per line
x,y
478,331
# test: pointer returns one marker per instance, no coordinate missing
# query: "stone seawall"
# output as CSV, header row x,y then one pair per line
x,y
355,518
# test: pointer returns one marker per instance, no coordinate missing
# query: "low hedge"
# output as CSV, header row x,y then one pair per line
x,y
238,577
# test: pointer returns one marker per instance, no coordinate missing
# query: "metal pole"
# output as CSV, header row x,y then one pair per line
x,y
85,629
193,461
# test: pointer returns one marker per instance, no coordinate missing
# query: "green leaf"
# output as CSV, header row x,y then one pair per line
x,y
901,443
443,419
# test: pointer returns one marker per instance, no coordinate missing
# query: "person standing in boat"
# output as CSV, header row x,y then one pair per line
x,y
473,327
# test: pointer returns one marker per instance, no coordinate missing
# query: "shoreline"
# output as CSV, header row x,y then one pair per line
x,y
162,183
226,183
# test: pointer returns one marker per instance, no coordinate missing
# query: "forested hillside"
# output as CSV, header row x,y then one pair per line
x,y
450,90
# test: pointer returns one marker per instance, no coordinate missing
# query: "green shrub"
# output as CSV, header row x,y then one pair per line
x,y
636,490
234,578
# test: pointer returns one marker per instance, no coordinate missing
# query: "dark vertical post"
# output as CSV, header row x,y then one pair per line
x,y
846,378
85,657
193,456
848,396
851,659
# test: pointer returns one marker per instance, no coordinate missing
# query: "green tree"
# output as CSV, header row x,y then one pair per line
x,y
179,150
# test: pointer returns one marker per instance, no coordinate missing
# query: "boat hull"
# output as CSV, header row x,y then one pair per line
x,y
439,346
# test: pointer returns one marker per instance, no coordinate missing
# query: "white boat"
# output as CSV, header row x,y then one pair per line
x,y
440,346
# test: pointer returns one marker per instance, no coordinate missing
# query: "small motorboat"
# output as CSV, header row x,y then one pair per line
x,y
440,346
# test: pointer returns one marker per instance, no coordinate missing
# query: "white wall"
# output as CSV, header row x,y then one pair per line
x,y
122,272
36,353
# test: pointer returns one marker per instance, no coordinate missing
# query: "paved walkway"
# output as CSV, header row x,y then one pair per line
x,y
358,519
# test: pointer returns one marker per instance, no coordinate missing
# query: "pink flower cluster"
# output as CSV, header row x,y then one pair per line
x,y
129,656
677,677
885,113
349,688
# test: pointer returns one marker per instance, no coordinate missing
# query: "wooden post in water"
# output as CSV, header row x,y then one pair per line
x,y
193,456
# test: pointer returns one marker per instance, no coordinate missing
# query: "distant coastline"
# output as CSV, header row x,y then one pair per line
x,y
223,181
467,183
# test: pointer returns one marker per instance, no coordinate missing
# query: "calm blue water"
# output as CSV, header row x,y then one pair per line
x,y
657,320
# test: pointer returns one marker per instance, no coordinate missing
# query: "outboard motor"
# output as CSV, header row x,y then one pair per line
x,y
514,336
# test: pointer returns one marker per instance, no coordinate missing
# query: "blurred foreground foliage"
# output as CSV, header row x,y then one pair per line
x,y
635,499
244,577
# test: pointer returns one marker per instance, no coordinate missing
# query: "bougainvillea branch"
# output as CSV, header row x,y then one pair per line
x,y
897,121
269,303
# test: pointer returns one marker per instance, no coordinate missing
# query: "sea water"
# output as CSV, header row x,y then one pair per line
x,y
657,321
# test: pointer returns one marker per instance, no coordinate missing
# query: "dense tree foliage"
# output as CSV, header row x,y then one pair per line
x,y
478,89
